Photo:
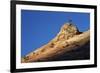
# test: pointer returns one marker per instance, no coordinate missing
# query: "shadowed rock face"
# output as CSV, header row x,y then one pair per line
x,y
81,53
69,44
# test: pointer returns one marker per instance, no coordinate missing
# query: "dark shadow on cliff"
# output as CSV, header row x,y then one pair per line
x,y
81,53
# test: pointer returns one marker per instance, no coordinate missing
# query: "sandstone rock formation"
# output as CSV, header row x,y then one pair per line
x,y
69,38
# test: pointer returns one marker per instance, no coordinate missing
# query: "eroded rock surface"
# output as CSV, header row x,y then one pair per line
x,y
69,38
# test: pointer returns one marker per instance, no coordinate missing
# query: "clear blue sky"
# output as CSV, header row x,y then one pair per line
x,y
39,27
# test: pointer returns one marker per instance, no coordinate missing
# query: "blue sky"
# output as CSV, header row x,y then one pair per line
x,y
39,27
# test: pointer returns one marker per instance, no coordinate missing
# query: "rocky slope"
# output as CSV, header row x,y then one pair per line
x,y
69,44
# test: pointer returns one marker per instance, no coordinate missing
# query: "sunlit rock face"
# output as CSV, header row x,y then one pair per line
x,y
67,31
68,44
